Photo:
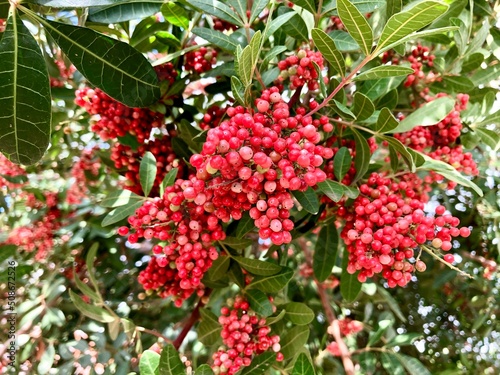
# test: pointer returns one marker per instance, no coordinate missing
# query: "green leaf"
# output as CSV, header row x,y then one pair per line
x,y
170,363
356,24
209,328
89,262
114,329
6,252
457,84
325,252
274,319
363,155
447,171
342,110
147,172
383,325
204,370
298,313
391,301
342,163
349,283
120,198
217,9
245,225
386,122
362,107
303,366
257,7
259,364
403,339
383,71
120,213
277,23
113,66
238,90
391,364
477,42
271,54
489,137
326,45
404,23
412,365
417,35
259,302
240,6
245,68
25,107
168,180
393,7
258,267
219,268
486,76
332,189
343,41
308,200
237,243
296,28
429,114
47,360
461,36
175,15
472,62
309,5
402,150
148,365
122,12
274,283
294,340
84,288
91,311
375,89
389,100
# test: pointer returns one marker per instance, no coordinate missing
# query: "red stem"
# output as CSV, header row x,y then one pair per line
x,y
193,318
330,316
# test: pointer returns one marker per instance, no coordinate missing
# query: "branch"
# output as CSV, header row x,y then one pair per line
x,y
154,333
193,318
330,316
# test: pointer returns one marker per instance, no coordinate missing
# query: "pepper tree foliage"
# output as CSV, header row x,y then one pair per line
x,y
251,187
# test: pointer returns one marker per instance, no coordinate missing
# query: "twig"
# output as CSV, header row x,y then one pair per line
x,y
193,318
330,316
154,333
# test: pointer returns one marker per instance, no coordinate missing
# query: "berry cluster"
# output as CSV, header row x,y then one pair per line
x,y
3,25
221,25
253,162
125,157
166,72
8,173
335,143
386,224
84,172
65,73
115,119
39,234
419,59
348,327
300,69
201,60
337,23
307,272
189,232
212,117
440,141
244,335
